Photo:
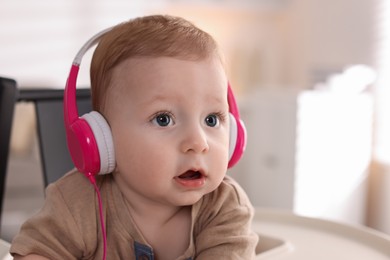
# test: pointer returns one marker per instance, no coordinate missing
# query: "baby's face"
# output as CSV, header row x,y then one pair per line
x,y
170,125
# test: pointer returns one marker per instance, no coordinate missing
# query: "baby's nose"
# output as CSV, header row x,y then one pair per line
x,y
194,140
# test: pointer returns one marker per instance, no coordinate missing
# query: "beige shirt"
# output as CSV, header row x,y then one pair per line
x,y
68,226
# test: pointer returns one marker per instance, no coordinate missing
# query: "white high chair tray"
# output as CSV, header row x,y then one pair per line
x,y
284,235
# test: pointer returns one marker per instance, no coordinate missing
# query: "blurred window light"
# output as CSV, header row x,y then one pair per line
x,y
40,38
382,96
333,151
353,80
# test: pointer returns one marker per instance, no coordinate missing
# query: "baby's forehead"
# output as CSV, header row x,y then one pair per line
x,y
134,67
158,74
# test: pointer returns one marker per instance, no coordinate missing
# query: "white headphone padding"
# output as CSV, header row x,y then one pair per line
x,y
232,134
103,137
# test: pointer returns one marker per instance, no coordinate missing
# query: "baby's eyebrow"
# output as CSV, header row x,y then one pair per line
x,y
217,100
213,100
157,97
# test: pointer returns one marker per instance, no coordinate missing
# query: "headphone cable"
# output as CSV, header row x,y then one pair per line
x,y
101,216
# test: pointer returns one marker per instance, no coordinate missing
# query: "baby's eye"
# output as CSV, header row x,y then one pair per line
x,y
163,119
212,120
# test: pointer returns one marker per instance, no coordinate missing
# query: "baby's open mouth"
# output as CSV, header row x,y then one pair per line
x,y
192,179
191,175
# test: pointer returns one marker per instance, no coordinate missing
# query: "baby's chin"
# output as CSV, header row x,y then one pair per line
x,y
188,200
191,198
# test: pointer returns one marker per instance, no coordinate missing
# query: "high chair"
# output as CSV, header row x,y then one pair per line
x,y
284,235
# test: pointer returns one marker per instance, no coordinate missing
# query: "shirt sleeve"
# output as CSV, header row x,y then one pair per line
x,y
54,232
224,225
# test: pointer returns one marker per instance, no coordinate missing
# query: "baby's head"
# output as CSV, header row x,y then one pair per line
x,y
148,36
160,83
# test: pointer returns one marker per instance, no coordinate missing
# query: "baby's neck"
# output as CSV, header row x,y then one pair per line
x,y
166,229
159,214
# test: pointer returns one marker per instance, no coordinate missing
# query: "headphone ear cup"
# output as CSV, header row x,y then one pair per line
x,y
82,147
237,140
103,137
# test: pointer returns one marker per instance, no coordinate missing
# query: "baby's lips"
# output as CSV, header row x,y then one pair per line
x,y
192,178
190,175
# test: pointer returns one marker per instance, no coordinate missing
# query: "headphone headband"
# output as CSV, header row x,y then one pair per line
x,y
91,42
71,113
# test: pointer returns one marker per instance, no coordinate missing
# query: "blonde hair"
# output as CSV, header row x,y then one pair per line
x,y
148,36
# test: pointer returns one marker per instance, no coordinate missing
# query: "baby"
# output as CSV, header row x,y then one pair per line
x,y
160,84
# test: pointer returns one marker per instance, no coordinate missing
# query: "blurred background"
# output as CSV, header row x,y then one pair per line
x,y
311,78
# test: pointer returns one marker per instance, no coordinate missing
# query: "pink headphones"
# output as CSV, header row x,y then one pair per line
x,y
89,137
